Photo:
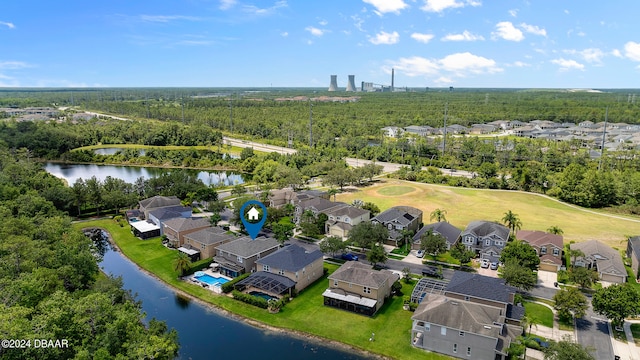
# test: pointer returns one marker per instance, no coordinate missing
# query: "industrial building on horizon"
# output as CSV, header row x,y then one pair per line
x,y
364,86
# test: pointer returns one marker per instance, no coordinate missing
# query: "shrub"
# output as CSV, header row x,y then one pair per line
x,y
228,286
413,306
250,299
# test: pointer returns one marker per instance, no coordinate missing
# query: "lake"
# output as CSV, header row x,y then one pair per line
x,y
72,172
204,333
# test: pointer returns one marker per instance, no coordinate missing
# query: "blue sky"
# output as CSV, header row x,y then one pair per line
x,y
300,43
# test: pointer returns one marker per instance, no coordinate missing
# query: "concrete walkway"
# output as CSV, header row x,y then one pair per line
x,y
628,351
551,333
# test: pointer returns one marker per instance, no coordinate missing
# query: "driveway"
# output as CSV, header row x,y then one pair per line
x,y
593,331
547,278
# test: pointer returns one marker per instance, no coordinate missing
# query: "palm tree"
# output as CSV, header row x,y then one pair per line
x,y
438,214
512,221
555,230
182,263
575,253
333,192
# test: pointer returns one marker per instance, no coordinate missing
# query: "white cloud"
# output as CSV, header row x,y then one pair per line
x,y
532,29
8,24
417,66
386,6
632,50
385,38
465,36
520,64
13,65
227,4
592,55
423,38
443,80
616,53
439,6
254,10
284,34
357,22
315,31
168,18
462,63
513,12
566,65
323,22
507,31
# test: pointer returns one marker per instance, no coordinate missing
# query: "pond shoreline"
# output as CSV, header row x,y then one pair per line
x,y
163,166
255,323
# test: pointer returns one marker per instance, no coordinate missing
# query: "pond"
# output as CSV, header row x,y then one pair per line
x,y
72,172
204,333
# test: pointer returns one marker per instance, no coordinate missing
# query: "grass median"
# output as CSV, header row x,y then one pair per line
x,y
306,313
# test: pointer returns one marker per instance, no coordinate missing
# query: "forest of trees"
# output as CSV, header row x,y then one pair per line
x,y
50,283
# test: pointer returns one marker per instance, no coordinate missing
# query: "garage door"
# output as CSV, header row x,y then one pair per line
x,y
548,267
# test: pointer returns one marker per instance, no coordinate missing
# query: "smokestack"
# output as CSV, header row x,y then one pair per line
x,y
392,78
333,86
351,84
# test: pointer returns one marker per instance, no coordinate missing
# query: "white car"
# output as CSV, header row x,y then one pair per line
x,y
484,264
420,253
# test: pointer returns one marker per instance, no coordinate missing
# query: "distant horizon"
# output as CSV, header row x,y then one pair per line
x,y
299,44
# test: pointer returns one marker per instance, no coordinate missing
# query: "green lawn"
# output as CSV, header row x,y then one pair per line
x,y
306,313
635,330
464,205
539,314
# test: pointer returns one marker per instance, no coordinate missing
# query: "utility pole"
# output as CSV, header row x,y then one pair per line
x,y
231,112
310,124
444,142
604,137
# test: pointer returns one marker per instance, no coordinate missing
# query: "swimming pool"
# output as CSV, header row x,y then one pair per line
x,y
211,280
263,295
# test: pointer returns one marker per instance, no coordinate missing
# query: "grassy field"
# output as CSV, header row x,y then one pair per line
x,y
306,313
540,314
536,212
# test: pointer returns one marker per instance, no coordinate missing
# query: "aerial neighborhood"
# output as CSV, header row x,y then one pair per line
x,y
464,305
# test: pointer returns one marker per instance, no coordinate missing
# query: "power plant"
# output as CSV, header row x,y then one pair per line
x,y
333,85
351,84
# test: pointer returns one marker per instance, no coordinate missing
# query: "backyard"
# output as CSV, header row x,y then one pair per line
x,y
464,205
306,313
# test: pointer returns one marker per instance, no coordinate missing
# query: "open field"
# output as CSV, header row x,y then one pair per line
x,y
235,150
536,212
306,313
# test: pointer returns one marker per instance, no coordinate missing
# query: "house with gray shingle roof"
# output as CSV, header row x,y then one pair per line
x,y
239,256
340,220
448,231
159,216
358,288
207,240
295,262
633,253
605,260
486,238
175,229
156,202
397,219
462,329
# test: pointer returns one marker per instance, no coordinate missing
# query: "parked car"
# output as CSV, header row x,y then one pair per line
x,y
484,264
420,253
431,272
494,266
349,257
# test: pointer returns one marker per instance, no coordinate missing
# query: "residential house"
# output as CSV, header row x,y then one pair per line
x,y
156,202
281,197
160,215
356,287
392,131
633,253
605,260
486,238
397,219
448,231
548,246
418,130
462,329
342,219
239,256
207,240
315,205
296,263
175,229
482,129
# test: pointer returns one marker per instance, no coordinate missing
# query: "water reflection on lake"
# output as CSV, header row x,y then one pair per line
x,y
72,172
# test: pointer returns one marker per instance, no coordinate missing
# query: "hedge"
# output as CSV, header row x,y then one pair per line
x,y
228,286
250,299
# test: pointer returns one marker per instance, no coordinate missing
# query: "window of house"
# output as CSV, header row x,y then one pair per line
x,y
543,250
466,298
455,348
427,327
281,272
468,350
347,220
556,251
239,258
390,226
499,243
367,290
265,268
335,282
461,333
443,331
487,242
339,218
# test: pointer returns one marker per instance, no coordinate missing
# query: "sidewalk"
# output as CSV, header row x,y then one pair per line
x,y
628,351
549,333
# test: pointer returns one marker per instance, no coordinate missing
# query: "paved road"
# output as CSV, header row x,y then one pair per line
x,y
392,167
593,331
258,146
